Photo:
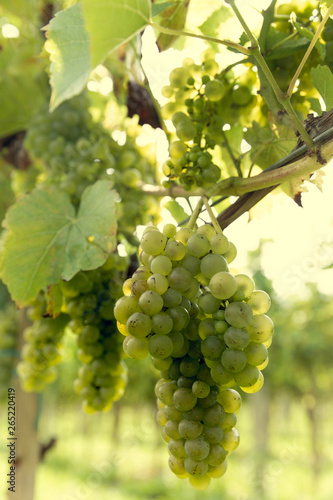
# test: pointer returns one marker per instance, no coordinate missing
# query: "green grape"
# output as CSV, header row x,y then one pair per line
x,y
214,415
180,317
175,250
231,253
200,389
165,391
139,325
212,347
219,244
255,387
259,301
236,338
207,230
161,265
214,90
233,360
180,279
190,429
217,453
176,447
248,376
184,399
138,288
171,429
223,285
136,348
160,346
256,354
212,264
241,95
230,400
153,242
208,303
217,471
245,284
200,483
213,435
261,328
158,283
198,245
161,323
178,342
177,465
192,264
124,308
229,421
189,367
197,449
186,130
230,440
172,298
220,375
195,468
150,302
238,314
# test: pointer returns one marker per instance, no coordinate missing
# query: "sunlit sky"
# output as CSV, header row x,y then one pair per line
x,y
301,238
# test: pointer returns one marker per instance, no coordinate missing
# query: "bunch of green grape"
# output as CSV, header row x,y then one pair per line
x,y
89,300
8,347
199,96
76,152
206,331
42,351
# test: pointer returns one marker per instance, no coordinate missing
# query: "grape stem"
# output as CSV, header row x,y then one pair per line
x,y
227,43
236,186
212,217
282,98
196,213
308,52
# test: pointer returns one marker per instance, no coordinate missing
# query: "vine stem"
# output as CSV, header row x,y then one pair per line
x,y
227,43
282,98
212,217
309,50
196,213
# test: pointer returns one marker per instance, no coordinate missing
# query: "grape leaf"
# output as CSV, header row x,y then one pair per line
x,y
269,146
176,210
212,25
46,240
17,107
113,22
175,20
68,46
322,79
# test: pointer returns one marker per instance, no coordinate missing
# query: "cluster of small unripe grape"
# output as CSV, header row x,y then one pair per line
x,y
206,331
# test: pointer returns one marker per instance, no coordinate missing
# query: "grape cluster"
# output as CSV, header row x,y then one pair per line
x,y
42,351
89,301
206,331
197,96
76,152
8,347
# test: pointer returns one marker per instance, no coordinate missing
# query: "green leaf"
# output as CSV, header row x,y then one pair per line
x,y
322,79
212,25
110,23
68,46
174,19
20,71
176,210
315,105
160,7
46,240
269,146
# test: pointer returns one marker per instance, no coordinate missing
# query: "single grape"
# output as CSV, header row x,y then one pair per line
x,y
212,264
236,338
230,400
223,285
259,301
160,346
238,314
153,242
